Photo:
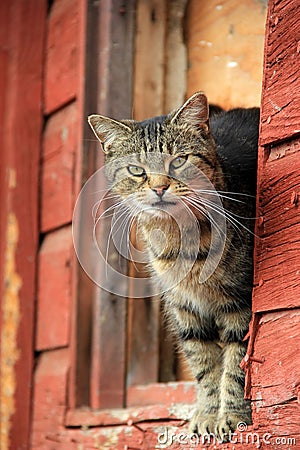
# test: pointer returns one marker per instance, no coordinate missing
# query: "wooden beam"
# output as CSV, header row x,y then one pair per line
x,y
149,58
101,344
22,26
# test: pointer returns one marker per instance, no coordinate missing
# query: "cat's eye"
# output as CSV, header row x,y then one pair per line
x,y
178,162
137,171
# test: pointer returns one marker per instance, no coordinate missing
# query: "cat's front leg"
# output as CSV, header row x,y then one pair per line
x,y
234,409
205,360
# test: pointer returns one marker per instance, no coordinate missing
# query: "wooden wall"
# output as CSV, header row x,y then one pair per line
x,y
61,346
276,331
225,42
60,179
22,31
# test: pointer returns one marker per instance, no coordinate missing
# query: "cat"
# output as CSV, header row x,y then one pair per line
x,y
209,313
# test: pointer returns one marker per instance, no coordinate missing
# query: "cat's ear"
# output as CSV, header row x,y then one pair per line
x,y
194,112
108,130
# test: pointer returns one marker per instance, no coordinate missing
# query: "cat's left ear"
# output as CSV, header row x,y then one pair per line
x,y
194,112
108,130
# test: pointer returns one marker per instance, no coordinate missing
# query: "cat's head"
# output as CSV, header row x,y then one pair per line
x,y
158,164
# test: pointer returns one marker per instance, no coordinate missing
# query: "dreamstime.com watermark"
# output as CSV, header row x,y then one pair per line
x,y
241,436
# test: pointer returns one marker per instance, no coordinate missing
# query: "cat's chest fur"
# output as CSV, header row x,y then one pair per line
x,y
177,259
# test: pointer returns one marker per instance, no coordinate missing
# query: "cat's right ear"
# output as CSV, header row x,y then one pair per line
x,y
108,130
194,112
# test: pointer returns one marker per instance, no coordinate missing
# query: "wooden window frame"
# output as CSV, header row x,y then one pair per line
x,y
117,37
97,380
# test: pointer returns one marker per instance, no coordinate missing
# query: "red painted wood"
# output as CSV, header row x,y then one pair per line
x,y
22,27
147,436
275,363
60,147
54,290
50,390
277,247
79,163
164,393
112,417
281,86
61,68
275,378
275,411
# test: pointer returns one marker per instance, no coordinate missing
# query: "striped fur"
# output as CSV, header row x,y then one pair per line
x,y
210,319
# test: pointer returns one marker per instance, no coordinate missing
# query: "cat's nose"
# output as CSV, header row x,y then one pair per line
x,y
160,190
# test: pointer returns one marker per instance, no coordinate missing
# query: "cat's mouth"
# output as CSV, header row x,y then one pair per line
x,y
162,204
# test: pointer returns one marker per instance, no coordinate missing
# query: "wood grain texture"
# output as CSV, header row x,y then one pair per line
x,y
161,393
275,377
149,59
61,65
50,382
113,50
225,42
176,56
278,244
275,380
58,166
22,27
280,104
54,290
275,362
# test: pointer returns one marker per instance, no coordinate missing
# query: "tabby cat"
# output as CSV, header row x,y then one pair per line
x,y
209,314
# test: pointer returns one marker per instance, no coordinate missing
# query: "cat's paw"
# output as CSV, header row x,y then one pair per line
x,y
202,424
227,423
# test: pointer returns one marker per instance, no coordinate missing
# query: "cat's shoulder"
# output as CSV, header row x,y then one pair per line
x,y
236,121
236,135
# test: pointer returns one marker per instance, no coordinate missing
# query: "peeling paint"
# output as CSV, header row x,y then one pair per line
x,y
10,322
184,411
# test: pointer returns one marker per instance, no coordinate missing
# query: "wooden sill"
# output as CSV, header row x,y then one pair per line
x,y
157,401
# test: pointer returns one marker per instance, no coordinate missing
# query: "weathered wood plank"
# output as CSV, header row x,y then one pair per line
x,y
22,26
225,42
175,61
149,59
143,314
161,393
274,365
114,49
50,383
58,166
143,341
61,65
280,103
109,417
275,377
82,286
277,250
54,290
